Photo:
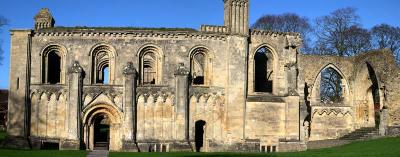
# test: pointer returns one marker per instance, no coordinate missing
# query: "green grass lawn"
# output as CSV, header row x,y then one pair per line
x,y
2,135
37,153
40,153
386,147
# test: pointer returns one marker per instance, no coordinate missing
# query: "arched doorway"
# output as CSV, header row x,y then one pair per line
x,y
102,127
101,132
374,93
199,134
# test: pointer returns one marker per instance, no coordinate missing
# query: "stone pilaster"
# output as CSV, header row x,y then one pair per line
x,y
182,103
383,122
74,108
130,109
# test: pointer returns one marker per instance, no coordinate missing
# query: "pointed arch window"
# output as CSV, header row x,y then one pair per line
x,y
331,86
263,70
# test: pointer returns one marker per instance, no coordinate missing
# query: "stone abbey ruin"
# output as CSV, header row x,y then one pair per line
x,y
220,88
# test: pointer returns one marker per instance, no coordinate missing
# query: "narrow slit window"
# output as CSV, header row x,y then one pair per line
x,y
17,83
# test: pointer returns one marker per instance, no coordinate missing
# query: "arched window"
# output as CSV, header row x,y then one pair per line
x,y
52,66
331,86
102,57
150,66
198,67
263,70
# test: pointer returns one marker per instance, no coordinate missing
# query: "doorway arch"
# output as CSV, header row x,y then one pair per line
x,y
101,132
102,120
199,135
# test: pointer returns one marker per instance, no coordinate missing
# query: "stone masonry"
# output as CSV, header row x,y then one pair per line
x,y
168,90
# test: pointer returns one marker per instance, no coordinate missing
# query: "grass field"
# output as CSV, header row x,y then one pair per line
x,y
40,153
386,147
37,153
2,135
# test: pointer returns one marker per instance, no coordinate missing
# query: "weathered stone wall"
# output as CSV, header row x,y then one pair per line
x,y
358,98
163,116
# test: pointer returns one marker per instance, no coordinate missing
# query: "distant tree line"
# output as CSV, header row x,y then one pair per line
x,y
339,33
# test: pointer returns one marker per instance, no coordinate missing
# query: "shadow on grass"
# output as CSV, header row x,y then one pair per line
x,y
384,147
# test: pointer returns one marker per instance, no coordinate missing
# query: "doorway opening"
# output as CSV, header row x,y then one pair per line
x,y
199,134
101,132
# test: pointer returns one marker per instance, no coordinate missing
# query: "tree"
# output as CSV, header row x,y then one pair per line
x,y
357,40
287,22
331,86
386,36
334,30
3,22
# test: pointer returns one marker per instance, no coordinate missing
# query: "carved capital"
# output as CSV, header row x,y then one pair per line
x,y
181,70
129,69
75,68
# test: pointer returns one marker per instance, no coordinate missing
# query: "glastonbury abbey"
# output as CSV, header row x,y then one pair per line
x,y
219,88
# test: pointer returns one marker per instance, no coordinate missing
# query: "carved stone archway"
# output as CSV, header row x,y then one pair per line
x,y
113,115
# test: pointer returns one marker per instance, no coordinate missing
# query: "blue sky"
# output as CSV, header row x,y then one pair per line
x,y
173,13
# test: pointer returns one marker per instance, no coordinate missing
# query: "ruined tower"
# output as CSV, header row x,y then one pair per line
x,y
236,16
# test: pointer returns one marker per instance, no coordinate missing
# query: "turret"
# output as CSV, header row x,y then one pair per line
x,y
236,16
44,19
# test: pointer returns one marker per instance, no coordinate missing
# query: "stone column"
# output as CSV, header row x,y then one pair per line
x,y
182,104
74,109
130,111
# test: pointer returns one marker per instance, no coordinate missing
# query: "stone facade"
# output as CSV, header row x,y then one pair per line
x,y
187,90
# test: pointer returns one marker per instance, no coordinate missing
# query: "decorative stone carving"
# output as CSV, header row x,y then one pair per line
x,y
76,68
331,110
181,70
129,69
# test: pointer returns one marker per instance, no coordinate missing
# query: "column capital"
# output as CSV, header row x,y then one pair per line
x,y
75,68
129,69
181,70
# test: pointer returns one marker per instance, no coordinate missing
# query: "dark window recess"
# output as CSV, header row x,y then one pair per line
x,y
50,146
268,149
53,68
17,83
263,74
158,147
262,148
273,148
151,148
164,148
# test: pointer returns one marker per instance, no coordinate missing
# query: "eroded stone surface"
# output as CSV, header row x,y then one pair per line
x,y
167,111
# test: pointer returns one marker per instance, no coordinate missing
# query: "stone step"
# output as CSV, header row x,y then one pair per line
x,y
98,153
362,133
